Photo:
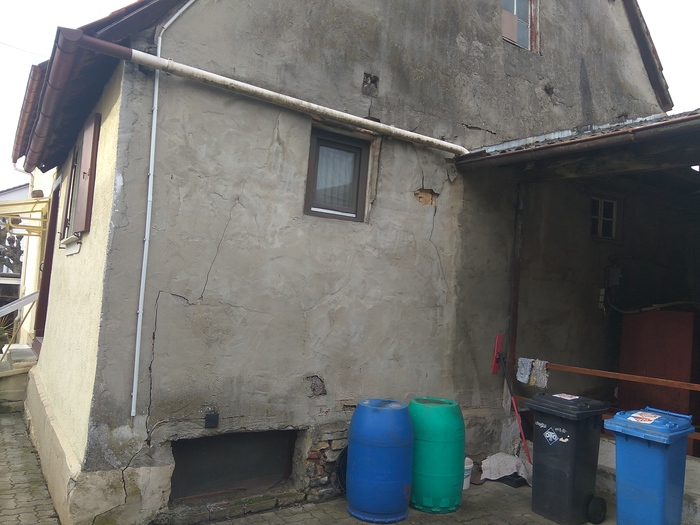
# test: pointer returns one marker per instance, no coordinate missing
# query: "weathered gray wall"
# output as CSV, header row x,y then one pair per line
x,y
247,298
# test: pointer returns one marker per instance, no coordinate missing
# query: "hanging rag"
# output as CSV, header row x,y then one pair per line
x,y
524,369
539,374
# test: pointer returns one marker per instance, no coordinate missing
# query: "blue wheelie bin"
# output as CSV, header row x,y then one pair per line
x,y
650,447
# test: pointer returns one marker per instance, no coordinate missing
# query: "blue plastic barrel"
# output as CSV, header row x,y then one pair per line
x,y
380,461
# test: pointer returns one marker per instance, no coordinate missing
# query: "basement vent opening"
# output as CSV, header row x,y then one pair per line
x,y
236,465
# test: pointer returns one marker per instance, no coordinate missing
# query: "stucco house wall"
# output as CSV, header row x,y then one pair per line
x,y
248,299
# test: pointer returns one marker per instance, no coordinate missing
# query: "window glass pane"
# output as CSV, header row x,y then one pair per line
x,y
595,207
607,229
523,34
335,184
522,8
608,209
75,191
508,5
594,226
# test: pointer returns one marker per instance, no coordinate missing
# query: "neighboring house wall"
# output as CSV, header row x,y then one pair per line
x,y
249,302
15,194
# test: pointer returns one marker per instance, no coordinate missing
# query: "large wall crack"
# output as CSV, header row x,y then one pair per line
x,y
218,246
124,488
437,250
477,128
150,368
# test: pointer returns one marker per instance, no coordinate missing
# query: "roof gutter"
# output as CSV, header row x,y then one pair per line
x,y
59,73
207,77
27,116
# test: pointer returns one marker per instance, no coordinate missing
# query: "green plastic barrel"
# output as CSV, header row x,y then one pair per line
x,y
438,454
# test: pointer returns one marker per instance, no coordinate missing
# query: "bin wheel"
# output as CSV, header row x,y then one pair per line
x,y
597,508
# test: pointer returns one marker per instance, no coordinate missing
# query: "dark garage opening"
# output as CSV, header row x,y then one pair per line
x,y
239,464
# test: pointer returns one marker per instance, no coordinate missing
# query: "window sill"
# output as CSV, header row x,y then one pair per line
x,y
71,245
326,211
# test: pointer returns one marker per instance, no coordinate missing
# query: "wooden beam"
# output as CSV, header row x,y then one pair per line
x,y
682,385
612,162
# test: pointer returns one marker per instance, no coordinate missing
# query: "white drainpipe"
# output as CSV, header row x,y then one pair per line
x,y
149,209
207,77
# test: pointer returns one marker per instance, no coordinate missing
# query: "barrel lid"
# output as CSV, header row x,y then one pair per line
x,y
566,405
651,424
382,403
428,400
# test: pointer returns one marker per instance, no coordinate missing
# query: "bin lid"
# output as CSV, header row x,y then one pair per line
x,y
651,424
566,405
388,404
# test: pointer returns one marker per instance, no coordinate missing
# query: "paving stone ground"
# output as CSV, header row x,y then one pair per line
x,y
492,503
24,498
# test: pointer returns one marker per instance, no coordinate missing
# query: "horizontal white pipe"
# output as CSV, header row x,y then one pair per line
x,y
200,75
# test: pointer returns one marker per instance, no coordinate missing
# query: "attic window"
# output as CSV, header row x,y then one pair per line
x,y
520,23
604,218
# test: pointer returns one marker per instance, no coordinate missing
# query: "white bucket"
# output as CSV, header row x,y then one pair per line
x,y
468,465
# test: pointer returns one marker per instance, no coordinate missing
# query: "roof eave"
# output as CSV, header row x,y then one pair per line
x,y
28,113
44,96
586,143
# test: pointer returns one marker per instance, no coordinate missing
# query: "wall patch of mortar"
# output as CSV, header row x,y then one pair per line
x,y
316,385
426,196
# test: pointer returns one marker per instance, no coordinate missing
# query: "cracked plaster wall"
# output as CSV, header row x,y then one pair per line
x,y
244,289
246,296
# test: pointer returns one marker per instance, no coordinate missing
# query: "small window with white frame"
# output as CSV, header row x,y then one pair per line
x,y
336,186
605,218
520,23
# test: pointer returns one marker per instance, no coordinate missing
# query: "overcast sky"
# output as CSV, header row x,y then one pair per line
x,y
28,29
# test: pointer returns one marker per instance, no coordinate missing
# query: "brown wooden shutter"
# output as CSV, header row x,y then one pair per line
x,y
88,165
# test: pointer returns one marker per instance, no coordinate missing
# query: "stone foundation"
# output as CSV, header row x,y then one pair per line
x,y
321,463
